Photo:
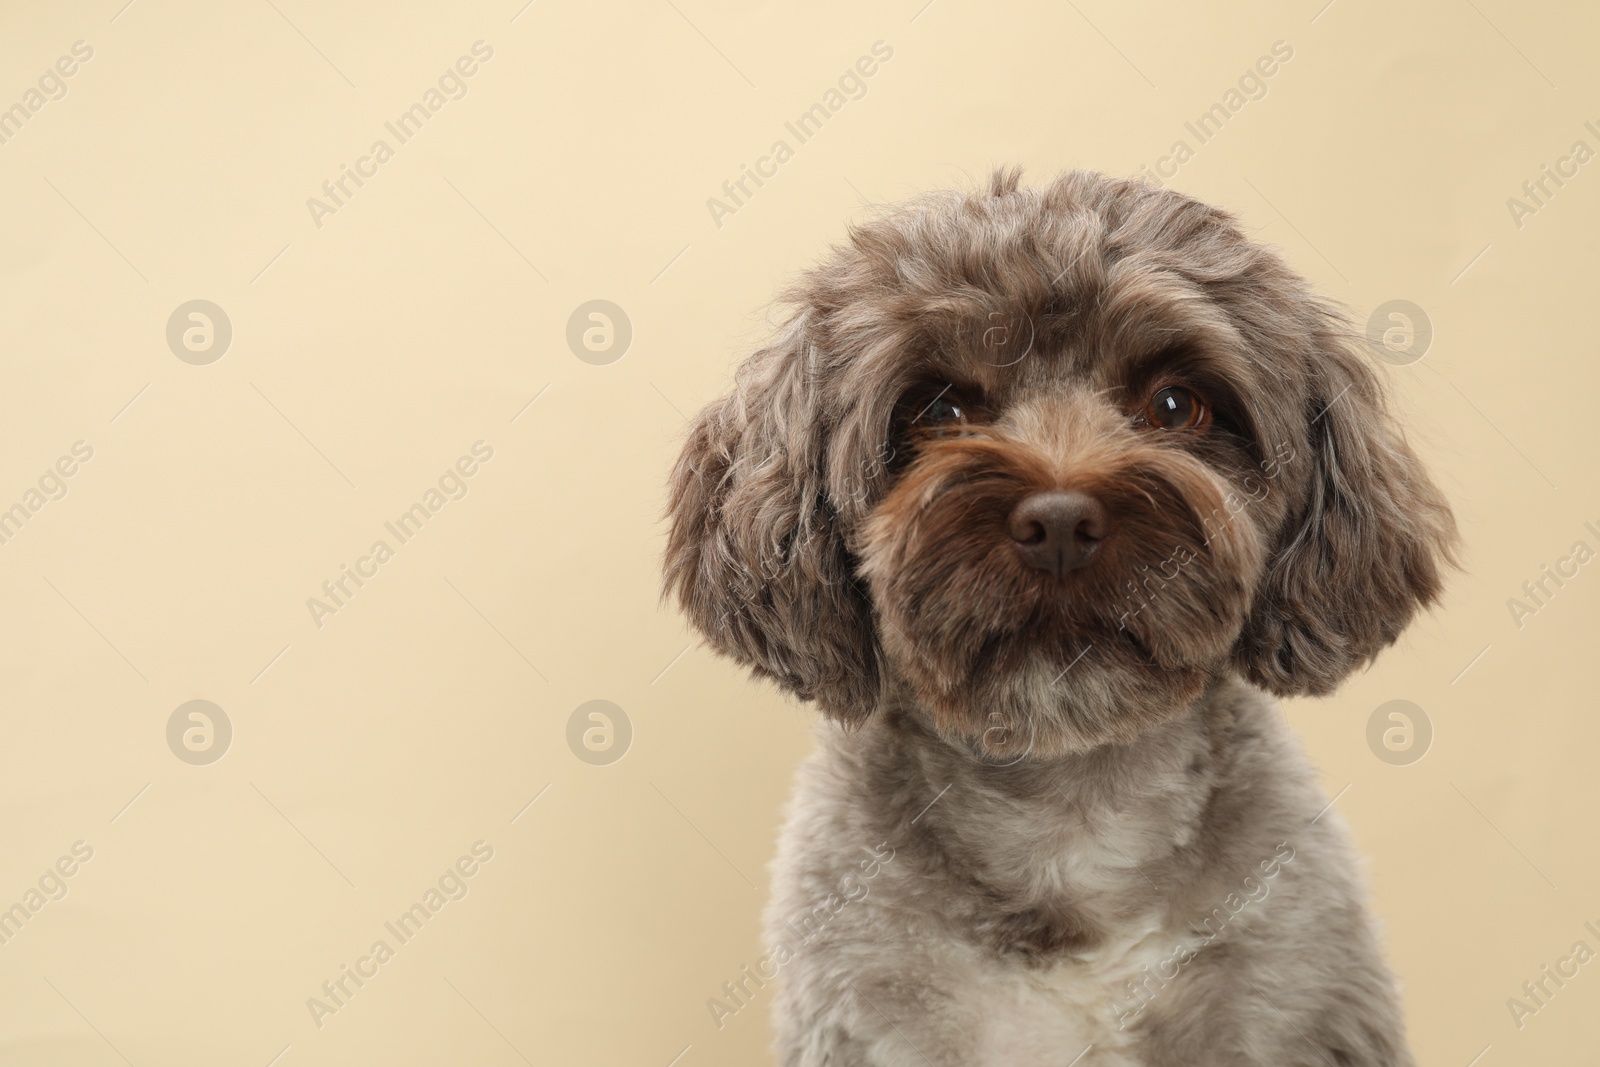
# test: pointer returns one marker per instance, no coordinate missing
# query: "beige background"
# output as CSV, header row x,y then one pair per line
x,y
372,351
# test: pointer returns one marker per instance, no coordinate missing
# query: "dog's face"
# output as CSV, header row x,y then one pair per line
x,y
1039,464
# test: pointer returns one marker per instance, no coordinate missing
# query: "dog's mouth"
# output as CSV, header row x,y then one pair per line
x,y
1019,639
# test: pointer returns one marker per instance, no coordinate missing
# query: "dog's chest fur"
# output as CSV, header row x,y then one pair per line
x,y
1068,926
1064,1012
1185,900
1019,909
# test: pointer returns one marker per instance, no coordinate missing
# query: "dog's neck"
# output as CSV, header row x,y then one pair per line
x,y
1085,831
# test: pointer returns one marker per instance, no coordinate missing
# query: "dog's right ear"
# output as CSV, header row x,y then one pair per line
x,y
1365,549
755,553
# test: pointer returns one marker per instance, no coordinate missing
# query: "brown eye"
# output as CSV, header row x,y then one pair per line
x,y
926,412
1174,408
939,410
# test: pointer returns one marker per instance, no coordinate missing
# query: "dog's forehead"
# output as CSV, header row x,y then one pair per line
x,y
1089,281
1104,327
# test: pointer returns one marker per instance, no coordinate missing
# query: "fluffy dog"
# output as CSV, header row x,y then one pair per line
x,y
1037,495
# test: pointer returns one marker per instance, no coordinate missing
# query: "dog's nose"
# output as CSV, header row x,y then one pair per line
x,y
1057,531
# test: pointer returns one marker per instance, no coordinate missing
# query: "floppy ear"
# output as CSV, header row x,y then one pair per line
x,y
1360,552
754,552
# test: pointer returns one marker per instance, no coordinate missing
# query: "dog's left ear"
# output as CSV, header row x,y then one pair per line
x,y
755,553
1362,548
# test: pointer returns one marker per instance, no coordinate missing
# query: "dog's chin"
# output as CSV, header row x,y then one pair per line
x,y
1041,700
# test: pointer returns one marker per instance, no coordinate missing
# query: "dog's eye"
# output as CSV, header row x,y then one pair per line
x,y
1174,408
943,410
927,411
931,407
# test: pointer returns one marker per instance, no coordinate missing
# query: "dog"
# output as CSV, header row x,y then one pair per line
x,y
1040,495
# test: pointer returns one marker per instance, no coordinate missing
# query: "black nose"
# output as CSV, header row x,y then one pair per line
x,y
1057,531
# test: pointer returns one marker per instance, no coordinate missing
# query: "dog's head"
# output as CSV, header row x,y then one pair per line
x,y
1042,463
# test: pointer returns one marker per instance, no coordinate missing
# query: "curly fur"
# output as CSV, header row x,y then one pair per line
x,y
1102,765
